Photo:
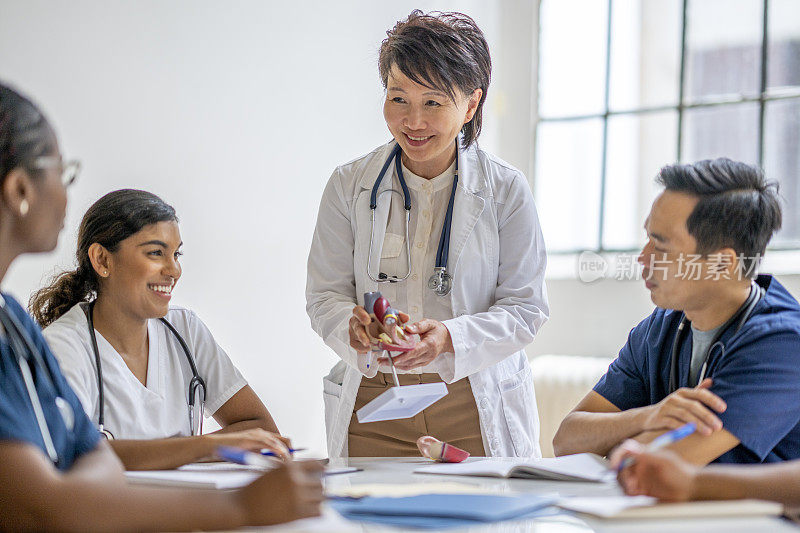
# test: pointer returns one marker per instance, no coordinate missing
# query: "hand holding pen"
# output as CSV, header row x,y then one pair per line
x,y
253,439
661,473
625,455
270,453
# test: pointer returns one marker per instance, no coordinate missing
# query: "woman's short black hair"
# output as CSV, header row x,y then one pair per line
x,y
737,207
442,51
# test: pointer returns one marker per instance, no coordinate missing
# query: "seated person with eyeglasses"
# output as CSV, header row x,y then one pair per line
x,y
56,474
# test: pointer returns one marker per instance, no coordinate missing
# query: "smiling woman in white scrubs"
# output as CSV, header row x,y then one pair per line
x,y
128,254
436,70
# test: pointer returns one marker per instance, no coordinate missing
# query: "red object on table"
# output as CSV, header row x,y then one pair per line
x,y
451,454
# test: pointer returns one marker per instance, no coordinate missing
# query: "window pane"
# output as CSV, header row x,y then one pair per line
x,y
782,163
638,146
568,161
723,48
722,131
783,62
572,57
645,53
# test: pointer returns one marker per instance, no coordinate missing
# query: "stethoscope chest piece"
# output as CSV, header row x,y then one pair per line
x,y
440,282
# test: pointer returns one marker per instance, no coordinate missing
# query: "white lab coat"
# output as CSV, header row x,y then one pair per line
x,y
497,258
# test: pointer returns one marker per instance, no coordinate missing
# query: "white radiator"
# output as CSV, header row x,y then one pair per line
x,y
561,381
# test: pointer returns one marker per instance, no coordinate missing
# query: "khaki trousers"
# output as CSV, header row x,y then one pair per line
x,y
453,419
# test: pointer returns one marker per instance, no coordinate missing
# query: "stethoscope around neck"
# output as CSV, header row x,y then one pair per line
x,y
441,282
196,384
23,348
739,318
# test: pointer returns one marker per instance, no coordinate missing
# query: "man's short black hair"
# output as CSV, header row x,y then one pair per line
x,y
737,209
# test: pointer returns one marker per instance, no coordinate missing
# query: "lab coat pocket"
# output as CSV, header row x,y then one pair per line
x,y
392,246
331,395
517,392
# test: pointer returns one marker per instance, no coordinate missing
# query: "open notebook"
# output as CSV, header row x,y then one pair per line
x,y
209,476
627,507
198,475
578,467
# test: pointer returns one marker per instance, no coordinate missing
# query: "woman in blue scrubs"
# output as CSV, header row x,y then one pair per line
x,y
55,473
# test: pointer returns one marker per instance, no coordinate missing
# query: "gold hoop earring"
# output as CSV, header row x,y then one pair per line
x,y
24,207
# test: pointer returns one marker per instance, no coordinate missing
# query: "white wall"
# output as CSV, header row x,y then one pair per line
x,y
236,113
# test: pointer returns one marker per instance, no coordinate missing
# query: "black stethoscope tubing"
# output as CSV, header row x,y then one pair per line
x,y
742,315
23,348
195,383
443,249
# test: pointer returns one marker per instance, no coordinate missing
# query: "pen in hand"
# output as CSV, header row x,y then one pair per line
x,y
244,457
661,441
270,453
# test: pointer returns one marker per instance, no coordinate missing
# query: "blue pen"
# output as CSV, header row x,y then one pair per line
x,y
661,441
270,453
243,457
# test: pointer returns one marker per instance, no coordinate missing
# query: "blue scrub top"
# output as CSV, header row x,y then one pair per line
x,y
757,374
17,419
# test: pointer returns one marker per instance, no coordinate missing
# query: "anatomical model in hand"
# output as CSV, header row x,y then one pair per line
x,y
391,335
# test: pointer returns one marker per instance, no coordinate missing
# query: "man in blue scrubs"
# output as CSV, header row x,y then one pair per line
x,y
737,362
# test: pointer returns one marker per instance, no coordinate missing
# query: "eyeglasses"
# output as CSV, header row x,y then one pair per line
x,y
69,170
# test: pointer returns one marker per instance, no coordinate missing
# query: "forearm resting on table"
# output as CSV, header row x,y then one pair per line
x,y
776,482
129,508
162,454
696,449
94,496
595,432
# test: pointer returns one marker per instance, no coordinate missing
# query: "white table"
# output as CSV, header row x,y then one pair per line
x,y
400,470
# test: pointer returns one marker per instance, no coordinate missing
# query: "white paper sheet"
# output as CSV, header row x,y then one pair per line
x,y
647,507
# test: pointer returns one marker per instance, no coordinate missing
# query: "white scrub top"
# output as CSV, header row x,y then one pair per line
x,y
132,410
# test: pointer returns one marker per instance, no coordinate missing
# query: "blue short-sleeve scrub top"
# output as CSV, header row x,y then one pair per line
x,y
757,373
72,432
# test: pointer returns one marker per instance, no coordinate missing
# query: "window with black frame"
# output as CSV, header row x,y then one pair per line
x,y
626,87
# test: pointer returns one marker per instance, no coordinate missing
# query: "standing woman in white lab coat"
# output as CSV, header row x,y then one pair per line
x,y
435,69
